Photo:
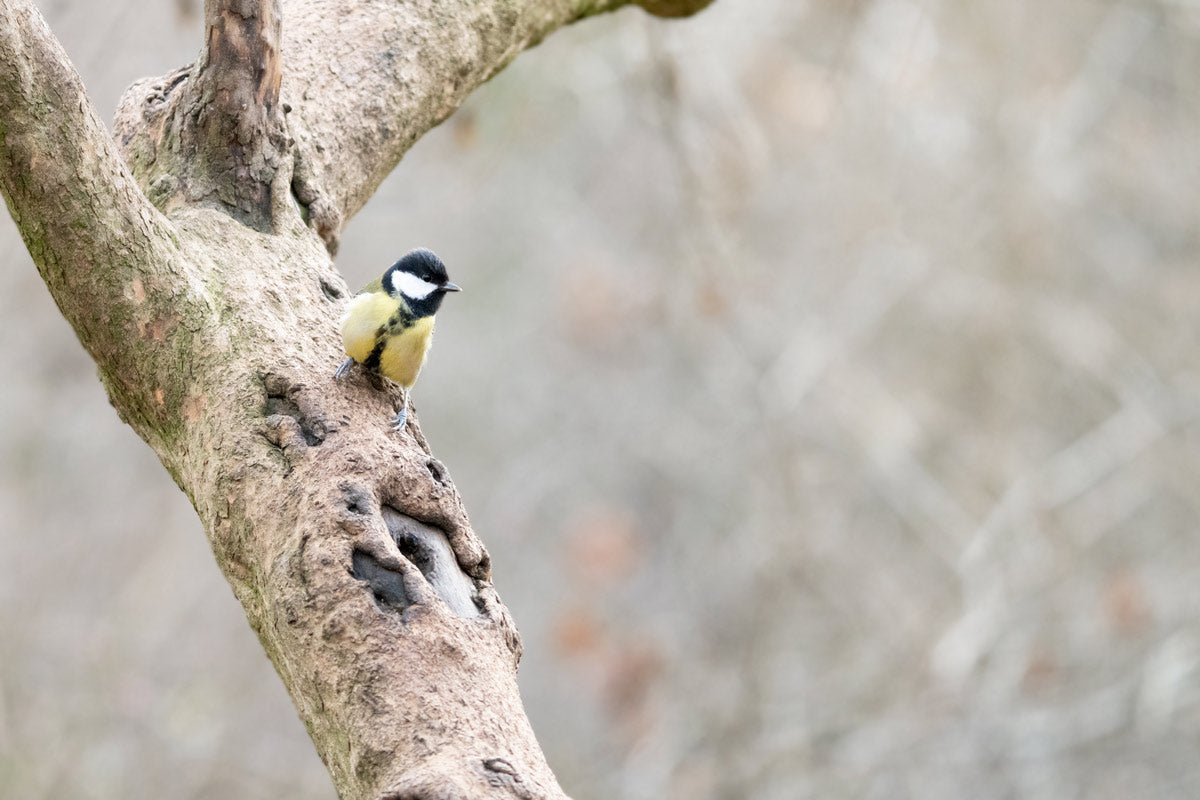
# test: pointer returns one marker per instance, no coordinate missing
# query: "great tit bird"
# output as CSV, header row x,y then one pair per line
x,y
388,326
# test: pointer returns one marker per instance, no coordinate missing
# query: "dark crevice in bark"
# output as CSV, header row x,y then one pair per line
x,y
283,397
316,208
356,499
386,585
437,471
428,549
331,290
501,774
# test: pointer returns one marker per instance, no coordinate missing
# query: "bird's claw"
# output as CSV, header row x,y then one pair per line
x,y
401,415
343,368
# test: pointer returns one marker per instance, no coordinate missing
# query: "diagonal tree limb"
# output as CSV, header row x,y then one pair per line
x,y
399,70
385,73
92,233
211,307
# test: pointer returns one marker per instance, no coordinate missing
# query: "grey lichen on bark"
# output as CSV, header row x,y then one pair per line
x,y
190,252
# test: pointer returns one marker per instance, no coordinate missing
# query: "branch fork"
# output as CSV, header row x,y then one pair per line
x,y
191,255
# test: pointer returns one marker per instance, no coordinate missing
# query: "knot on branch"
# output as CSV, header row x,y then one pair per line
x,y
499,777
138,127
391,575
405,562
287,398
292,423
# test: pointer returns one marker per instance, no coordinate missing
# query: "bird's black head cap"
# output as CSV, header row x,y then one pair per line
x,y
420,278
425,264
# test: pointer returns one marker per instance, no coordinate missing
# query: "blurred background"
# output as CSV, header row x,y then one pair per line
x,y
826,389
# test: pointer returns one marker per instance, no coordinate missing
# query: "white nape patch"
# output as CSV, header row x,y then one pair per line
x,y
411,286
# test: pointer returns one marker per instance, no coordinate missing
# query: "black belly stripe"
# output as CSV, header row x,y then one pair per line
x,y
372,362
397,323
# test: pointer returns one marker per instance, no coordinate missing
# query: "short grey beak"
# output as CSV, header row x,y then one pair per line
x,y
450,287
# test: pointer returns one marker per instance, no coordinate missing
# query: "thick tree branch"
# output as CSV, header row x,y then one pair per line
x,y
214,325
99,244
385,73
398,70
238,129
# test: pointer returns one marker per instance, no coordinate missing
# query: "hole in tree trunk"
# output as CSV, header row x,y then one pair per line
x,y
427,549
386,585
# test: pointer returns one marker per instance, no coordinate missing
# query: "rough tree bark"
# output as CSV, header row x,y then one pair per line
x,y
191,253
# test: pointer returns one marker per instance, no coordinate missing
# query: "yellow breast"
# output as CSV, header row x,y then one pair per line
x,y
363,317
404,355
365,326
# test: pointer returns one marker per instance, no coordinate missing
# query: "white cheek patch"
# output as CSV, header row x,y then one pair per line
x,y
410,285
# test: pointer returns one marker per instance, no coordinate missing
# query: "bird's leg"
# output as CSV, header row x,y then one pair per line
x,y
402,417
342,369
